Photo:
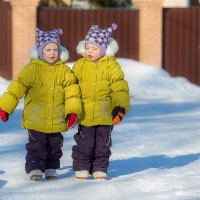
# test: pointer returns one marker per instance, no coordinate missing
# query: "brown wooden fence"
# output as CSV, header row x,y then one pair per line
x,y
76,23
5,40
181,42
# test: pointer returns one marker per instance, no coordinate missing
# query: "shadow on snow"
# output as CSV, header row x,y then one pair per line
x,y
119,168
2,182
149,109
68,174
137,164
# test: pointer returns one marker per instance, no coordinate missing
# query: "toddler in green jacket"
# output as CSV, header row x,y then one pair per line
x,y
105,98
51,103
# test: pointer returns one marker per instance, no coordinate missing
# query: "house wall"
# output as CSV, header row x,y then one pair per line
x,y
24,23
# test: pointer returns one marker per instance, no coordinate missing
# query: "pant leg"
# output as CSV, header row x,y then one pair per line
x,y
102,150
36,151
54,151
83,151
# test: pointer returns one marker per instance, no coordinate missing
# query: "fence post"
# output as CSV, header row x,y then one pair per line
x,y
23,32
150,43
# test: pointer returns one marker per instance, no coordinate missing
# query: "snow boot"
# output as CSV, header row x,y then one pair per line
x,y
35,175
83,174
51,174
98,175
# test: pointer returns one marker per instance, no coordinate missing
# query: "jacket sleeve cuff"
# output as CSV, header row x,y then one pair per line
x,y
8,103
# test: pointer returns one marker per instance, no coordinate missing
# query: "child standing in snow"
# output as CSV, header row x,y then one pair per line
x,y
51,105
105,98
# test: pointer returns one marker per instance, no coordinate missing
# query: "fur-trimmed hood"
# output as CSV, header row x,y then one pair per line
x,y
64,54
111,50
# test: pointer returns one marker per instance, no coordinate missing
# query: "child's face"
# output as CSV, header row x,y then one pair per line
x,y
93,52
50,52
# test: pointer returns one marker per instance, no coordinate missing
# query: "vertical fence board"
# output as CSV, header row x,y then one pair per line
x,y
5,40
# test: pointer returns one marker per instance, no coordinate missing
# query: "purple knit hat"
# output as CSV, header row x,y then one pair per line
x,y
100,37
43,38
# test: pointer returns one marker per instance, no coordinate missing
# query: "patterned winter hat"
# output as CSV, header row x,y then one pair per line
x,y
100,37
43,38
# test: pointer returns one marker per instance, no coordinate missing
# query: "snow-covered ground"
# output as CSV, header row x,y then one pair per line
x,y
155,152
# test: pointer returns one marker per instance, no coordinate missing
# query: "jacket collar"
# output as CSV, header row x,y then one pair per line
x,y
40,62
104,58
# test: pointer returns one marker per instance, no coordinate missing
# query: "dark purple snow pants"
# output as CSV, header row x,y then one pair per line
x,y
92,150
43,151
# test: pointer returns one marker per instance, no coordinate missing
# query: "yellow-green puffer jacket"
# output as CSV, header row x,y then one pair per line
x,y
50,93
103,88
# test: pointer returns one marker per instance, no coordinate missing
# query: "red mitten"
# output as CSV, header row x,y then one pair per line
x,y
4,115
71,120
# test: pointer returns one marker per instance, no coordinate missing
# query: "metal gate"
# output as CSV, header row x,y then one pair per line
x,y
76,23
181,42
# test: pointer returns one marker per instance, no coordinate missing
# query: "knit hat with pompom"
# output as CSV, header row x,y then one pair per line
x,y
43,38
100,37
